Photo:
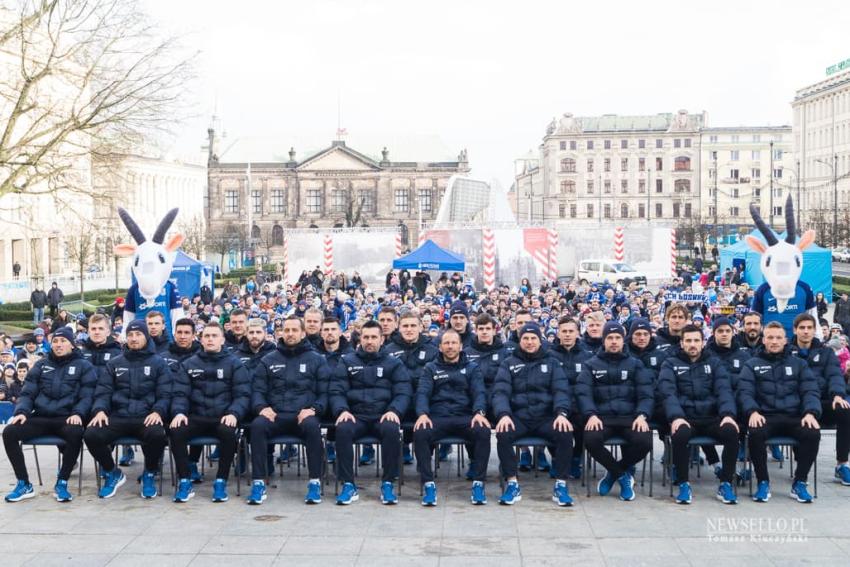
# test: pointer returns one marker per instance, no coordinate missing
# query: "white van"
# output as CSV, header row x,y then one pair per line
x,y
600,270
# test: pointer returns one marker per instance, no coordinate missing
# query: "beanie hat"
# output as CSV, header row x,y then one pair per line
x,y
138,325
64,332
459,308
719,322
640,324
613,327
532,328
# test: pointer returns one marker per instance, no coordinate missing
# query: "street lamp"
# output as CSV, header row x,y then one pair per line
x,y
834,167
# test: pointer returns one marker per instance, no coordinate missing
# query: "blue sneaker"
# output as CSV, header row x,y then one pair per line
x,y
149,485
479,497
194,474
776,453
842,474
348,494
627,487
561,494
800,491
388,497
408,455
445,451
185,490
127,456
726,494
762,491
470,471
512,494
331,449
314,492
114,479
22,491
367,457
220,490
525,460
575,468
60,491
685,495
542,462
603,487
288,453
429,494
214,454
258,493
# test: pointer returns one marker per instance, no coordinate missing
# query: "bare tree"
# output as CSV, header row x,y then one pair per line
x,y
193,231
81,79
226,238
81,242
354,208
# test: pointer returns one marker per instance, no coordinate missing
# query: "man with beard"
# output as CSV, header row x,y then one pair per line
x,y
675,318
751,337
333,346
238,328
522,317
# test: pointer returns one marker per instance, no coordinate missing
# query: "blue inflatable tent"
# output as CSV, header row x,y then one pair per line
x,y
429,256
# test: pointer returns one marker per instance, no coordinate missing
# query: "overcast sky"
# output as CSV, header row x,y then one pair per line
x,y
489,76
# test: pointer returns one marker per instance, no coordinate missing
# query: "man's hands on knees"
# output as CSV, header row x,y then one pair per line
x,y
728,420
480,421
99,420
20,418
345,416
677,423
593,424
505,424
423,422
390,416
562,424
74,420
839,402
810,421
179,420
640,424
268,413
153,418
229,420
305,413
756,419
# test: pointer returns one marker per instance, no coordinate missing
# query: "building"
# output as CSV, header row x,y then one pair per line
x,y
821,133
335,187
469,200
613,167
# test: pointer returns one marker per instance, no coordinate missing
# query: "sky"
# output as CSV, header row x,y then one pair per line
x,y
427,79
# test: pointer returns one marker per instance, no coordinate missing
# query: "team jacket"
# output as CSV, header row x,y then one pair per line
x,y
211,385
334,357
370,384
531,387
174,354
697,389
249,358
99,355
58,387
652,356
135,384
826,368
290,379
665,340
414,355
488,357
615,384
778,384
451,389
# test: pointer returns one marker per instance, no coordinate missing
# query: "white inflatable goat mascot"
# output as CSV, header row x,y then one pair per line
x,y
783,295
152,264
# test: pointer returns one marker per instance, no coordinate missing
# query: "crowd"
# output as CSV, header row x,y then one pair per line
x,y
331,361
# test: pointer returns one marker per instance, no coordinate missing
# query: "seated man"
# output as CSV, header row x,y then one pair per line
x,y
369,392
531,396
212,392
55,399
779,395
289,394
131,398
697,397
615,396
451,400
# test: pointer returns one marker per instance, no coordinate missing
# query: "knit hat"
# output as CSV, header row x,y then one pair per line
x,y
531,327
459,308
719,322
38,332
640,324
64,332
613,327
138,325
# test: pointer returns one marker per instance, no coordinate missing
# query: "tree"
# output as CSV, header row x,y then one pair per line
x,y
81,79
193,231
226,238
354,208
81,242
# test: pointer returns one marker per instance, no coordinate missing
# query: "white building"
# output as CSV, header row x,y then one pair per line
x,y
469,200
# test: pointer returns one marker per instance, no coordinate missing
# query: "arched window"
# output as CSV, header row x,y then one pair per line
x,y
405,234
255,231
682,163
682,186
624,211
277,235
568,165
568,186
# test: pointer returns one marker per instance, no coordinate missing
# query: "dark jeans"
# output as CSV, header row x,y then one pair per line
x,y
562,441
285,424
478,437
807,452
638,444
36,427
840,420
203,427
726,435
100,439
347,432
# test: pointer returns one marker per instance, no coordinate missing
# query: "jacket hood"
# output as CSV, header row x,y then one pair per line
x,y
639,351
212,356
73,355
296,350
494,346
110,343
174,348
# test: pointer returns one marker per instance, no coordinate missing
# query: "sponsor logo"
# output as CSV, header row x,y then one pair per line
x,y
147,370
544,368
195,372
72,370
47,369
302,368
788,371
707,368
220,373
380,371
107,356
653,361
421,355
578,366
736,363
624,375
496,357
275,368
120,371
516,367
680,370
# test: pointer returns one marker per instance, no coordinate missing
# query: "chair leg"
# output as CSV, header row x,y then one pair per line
x,y
651,466
587,469
37,465
80,480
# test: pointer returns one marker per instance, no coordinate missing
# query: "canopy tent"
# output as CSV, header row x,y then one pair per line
x,y
429,256
190,274
817,264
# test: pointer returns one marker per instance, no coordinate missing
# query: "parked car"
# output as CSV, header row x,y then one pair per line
x,y
841,254
613,271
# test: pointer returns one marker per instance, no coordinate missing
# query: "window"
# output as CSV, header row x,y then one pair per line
x,y
624,211
573,210
711,173
231,201
756,173
257,202
687,142
641,144
562,211
734,173
641,210
314,200
659,210
734,154
367,198
624,144
659,143
568,165
756,154
711,210
659,164
682,163
402,197
278,201
608,186
590,210
590,166
677,143
756,138
712,139
573,145
682,186
735,193
676,207
687,210
714,155
607,210
777,173
568,186
624,164
606,164
277,235
777,211
735,139
777,154
590,186
624,185
563,145
641,164
757,192
590,144
659,186
642,186
733,211
607,144
425,200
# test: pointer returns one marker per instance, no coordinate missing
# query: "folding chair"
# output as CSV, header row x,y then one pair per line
x,y
460,446
301,456
784,442
374,440
59,443
209,441
617,443
695,441
135,441
536,444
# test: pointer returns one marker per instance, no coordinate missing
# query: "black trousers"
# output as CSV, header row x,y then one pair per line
x,y
638,444
100,439
807,452
206,427
840,420
285,424
387,432
726,435
562,441
36,427
478,438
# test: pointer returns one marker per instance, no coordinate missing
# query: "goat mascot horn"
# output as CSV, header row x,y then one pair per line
x,y
152,260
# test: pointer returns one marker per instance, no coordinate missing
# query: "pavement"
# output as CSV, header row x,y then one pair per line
x,y
129,531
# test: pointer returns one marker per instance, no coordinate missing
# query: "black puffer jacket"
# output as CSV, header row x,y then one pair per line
x,y
531,387
778,384
665,340
652,357
290,379
135,384
99,355
333,358
174,355
414,355
369,385
211,384
161,343
249,358
489,358
615,385
733,358
572,360
826,368
58,387
451,389
696,389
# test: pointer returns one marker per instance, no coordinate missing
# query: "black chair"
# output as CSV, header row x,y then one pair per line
x,y
786,442
695,441
460,446
536,444
209,441
616,443
301,456
59,443
359,443
135,441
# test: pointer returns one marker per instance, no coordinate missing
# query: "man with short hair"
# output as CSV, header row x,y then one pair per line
x,y
521,317
459,321
751,337
592,337
388,320
155,322
238,329
333,346
313,326
676,316
184,344
253,346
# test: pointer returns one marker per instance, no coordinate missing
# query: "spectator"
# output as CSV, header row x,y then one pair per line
x,y
38,299
16,270
55,297
821,304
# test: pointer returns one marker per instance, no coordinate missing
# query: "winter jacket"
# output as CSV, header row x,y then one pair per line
x,y
665,340
571,360
489,358
58,387
211,384
414,355
842,312
826,368
290,379
334,357
161,343
531,387
733,357
615,384
99,355
249,358
55,297
652,356
174,354
698,389
451,389
38,299
135,384
778,384
592,344
370,384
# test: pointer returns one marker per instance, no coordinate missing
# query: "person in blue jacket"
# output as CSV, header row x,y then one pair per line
x,y
211,395
616,397
531,396
779,395
289,396
55,400
697,397
451,400
333,346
